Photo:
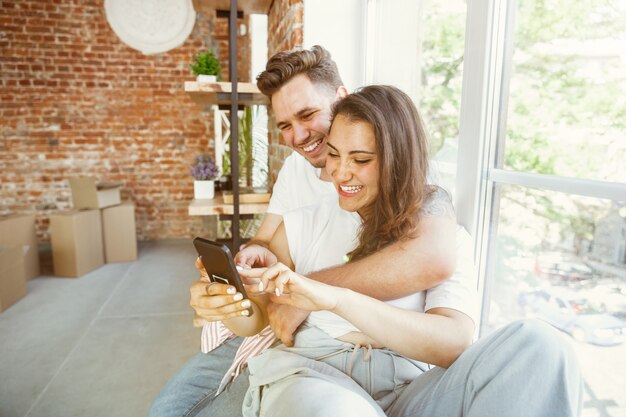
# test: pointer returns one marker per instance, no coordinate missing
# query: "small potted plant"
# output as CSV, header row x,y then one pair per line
x,y
206,66
204,172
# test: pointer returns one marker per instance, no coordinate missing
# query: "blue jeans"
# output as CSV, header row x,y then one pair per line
x,y
191,391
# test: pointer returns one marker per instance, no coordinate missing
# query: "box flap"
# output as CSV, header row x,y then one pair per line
x,y
108,185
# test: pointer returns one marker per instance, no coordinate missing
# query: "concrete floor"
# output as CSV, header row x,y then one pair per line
x,y
103,344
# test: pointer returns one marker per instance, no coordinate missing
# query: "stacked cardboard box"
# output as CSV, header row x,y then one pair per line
x,y
19,230
120,238
100,229
19,257
76,238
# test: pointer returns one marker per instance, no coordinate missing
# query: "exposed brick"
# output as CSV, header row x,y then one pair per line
x,y
76,100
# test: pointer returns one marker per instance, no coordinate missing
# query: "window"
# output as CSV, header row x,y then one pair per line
x,y
441,74
542,148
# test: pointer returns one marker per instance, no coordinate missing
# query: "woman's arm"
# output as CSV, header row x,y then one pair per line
x,y
438,336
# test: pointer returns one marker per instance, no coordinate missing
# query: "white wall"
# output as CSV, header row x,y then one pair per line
x,y
258,33
394,49
340,27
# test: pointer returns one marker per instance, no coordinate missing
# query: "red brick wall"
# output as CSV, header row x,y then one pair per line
x,y
285,32
76,100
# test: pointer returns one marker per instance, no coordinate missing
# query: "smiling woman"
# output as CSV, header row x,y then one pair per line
x,y
353,164
366,143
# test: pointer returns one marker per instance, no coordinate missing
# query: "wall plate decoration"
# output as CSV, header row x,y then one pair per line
x,y
151,26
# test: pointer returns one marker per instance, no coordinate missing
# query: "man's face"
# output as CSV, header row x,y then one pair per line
x,y
302,111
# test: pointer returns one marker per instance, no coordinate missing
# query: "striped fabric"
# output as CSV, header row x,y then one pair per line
x,y
250,347
215,333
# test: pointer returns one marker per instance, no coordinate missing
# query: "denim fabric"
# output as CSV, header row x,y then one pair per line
x,y
192,389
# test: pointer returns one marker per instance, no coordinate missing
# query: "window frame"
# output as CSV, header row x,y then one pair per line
x,y
482,132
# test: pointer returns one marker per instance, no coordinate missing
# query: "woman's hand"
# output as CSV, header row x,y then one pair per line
x,y
213,301
288,287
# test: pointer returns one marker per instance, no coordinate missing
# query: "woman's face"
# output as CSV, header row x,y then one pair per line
x,y
352,163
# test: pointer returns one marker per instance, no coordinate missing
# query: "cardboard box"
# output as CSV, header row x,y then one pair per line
x,y
87,194
76,238
12,276
120,237
19,230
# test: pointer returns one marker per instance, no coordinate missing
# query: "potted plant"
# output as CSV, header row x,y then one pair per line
x,y
204,172
206,66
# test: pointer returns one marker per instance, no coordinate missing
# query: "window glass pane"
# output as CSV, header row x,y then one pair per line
x,y
562,259
443,34
567,103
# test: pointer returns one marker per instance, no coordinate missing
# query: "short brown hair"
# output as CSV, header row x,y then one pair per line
x,y
402,148
316,64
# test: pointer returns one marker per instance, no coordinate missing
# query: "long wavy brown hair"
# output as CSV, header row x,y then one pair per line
x,y
315,63
402,148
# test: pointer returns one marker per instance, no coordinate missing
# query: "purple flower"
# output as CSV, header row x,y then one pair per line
x,y
205,168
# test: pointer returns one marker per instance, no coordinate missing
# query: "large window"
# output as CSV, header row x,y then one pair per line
x,y
543,144
442,32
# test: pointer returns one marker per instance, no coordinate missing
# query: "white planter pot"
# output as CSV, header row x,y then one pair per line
x,y
206,78
203,189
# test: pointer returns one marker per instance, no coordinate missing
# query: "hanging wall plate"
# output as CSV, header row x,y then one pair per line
x,y
151,26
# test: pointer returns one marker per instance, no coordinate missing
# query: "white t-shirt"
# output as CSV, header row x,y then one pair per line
x,y
319,236
298,185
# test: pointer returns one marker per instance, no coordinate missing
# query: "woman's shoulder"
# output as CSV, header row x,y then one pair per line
x,y
438,204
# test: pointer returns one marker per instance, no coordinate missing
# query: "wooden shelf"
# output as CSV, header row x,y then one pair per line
x,y
208,94
247,6
216,206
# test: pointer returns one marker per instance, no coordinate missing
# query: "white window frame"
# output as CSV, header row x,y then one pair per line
x,y
482,132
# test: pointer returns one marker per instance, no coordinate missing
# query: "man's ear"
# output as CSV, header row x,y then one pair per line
x,y
342,91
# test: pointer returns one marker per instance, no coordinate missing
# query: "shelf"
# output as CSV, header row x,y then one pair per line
x,y
216,206
247,6
208,94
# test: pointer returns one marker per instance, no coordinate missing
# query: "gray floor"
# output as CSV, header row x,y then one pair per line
x,y
103,344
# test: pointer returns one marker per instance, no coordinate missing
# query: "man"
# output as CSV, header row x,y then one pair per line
x,y
302,87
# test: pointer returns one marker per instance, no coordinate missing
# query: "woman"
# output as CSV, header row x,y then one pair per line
x,y
378,165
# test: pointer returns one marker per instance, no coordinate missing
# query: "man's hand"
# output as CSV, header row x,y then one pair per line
x,y
213,301
255,255
217,302
284,320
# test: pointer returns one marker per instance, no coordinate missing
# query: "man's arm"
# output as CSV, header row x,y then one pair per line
x,y
407,267
255,253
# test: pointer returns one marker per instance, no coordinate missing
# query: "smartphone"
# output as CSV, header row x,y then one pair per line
x,y
219,264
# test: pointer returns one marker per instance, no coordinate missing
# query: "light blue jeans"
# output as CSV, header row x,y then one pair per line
x,y
525,369
191,391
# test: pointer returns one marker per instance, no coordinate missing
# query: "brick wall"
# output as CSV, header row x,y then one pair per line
x,y
285,32
76,100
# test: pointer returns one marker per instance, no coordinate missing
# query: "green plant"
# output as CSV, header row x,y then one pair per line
x,y
206,63
252,148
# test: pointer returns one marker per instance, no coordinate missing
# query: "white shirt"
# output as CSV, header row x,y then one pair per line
x,y
319,236
298,185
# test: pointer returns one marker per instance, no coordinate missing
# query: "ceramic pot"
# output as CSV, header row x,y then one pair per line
x,y
202,78
203,190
